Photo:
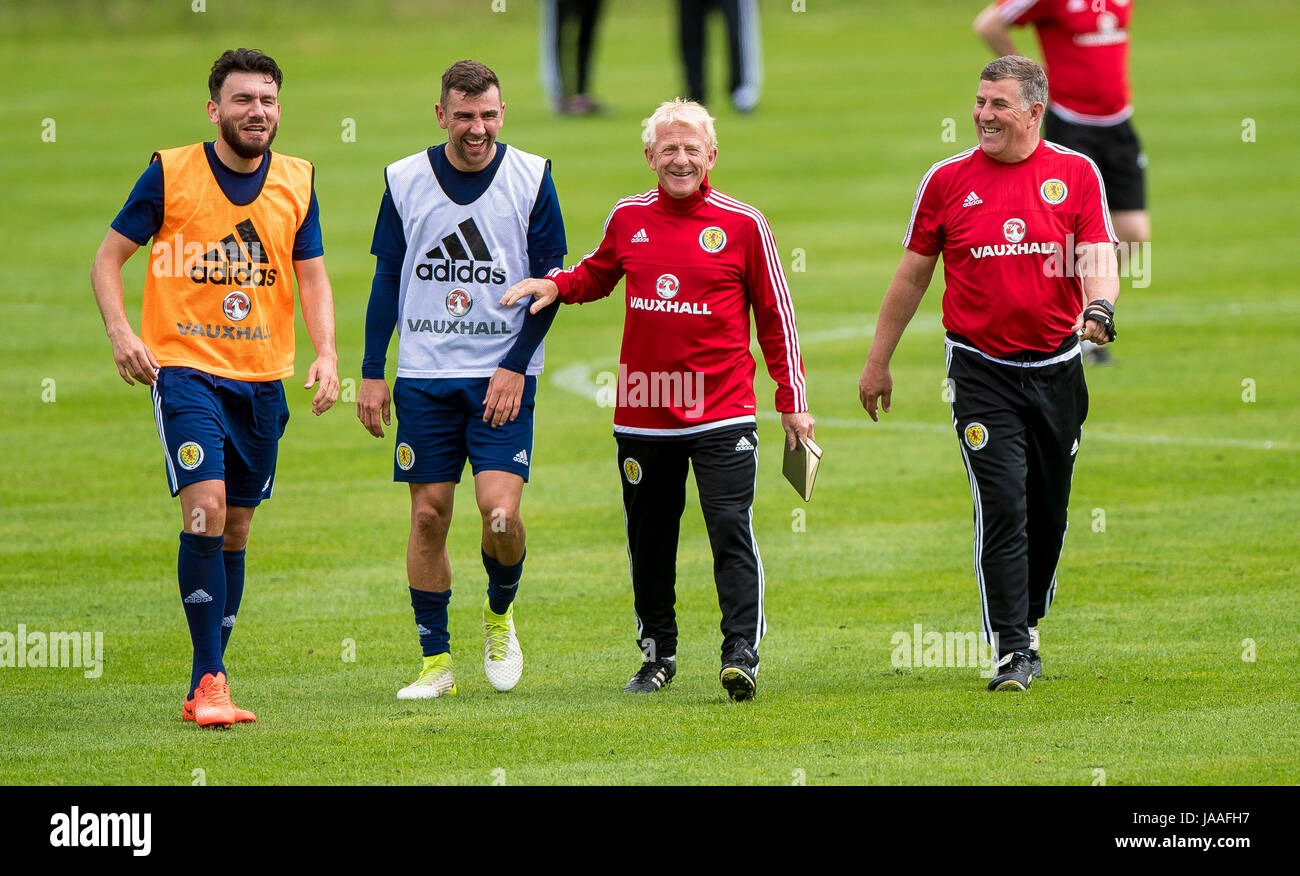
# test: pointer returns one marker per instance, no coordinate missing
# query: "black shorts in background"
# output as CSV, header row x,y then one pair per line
x,y
1117,152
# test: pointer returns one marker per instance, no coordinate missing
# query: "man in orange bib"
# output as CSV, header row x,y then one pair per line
x,y
228,220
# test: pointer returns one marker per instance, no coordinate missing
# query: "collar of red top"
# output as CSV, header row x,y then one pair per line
x,y
1038,149
688,204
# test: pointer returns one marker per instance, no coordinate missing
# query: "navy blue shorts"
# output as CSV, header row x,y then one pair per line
x,y
440,425
215,428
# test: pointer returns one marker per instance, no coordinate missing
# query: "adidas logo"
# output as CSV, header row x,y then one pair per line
x,y
238,260
641,237
422,629
522,457
198,597
228,621
971,200
743,444
443,267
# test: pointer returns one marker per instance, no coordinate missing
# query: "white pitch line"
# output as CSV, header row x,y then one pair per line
x,y
929,325
578,379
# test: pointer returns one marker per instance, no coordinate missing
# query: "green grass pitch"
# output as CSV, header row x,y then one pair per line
x,y
1171,651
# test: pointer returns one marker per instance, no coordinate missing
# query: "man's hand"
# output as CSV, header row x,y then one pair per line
x,y
373,404
1091,329
504,392
325,370
133,358
543,291
797,426
875,385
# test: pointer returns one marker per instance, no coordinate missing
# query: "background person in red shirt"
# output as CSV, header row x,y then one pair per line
x,y
697,262
1007,216
1085,52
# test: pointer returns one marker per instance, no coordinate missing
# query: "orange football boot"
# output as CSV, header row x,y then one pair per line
x,y
211,703
241,716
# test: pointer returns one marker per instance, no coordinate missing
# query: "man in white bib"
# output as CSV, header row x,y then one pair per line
x,y
460,223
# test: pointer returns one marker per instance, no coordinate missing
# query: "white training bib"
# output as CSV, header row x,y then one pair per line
x,y
460,260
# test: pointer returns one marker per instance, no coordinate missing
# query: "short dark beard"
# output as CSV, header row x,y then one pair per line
x,y
230,133
459,149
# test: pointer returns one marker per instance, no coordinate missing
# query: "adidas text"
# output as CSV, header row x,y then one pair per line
x,y
468,272
469,247
239,259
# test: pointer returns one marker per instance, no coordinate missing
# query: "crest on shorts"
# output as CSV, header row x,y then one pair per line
x,y
1014,230
405,456
1053,191
189,455
632,470
976,436
459,302
713,239
667,286
237,306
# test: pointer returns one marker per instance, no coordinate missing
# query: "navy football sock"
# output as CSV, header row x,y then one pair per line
x,y
234,562
431,620
503,582
202,577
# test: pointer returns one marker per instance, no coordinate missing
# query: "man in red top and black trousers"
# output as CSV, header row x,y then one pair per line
x,y
1029,267
696,261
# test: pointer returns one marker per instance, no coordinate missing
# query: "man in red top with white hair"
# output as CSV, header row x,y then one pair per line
x,y
1026,240
696,262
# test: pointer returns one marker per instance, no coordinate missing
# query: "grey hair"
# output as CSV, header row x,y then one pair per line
x,y
1031,78
677,110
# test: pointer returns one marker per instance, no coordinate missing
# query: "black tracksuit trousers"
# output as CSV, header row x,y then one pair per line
x,y
653,472
1018,423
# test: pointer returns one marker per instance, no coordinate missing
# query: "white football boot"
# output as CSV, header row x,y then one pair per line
x,y
503,660
435,679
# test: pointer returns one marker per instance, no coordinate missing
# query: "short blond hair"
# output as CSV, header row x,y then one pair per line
x,y
687,112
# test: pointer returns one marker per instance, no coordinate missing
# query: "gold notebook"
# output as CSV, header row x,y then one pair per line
x,y
800,466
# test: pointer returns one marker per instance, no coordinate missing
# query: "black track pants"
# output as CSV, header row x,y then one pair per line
x,y
1018,424
653,472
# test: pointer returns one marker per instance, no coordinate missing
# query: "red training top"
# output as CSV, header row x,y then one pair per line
x,y
1008,234
695,267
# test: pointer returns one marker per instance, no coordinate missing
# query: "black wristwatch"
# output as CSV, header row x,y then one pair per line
x,y
1101,312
